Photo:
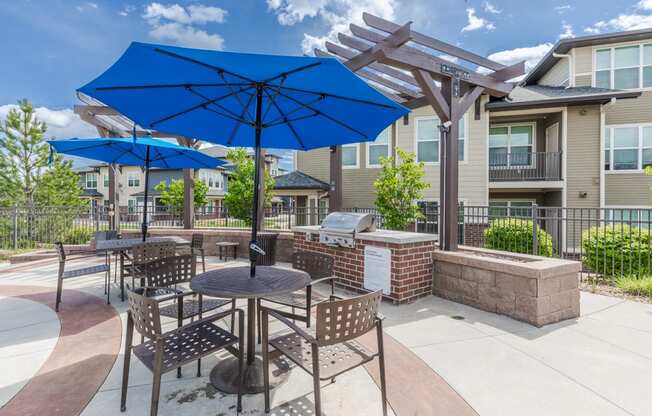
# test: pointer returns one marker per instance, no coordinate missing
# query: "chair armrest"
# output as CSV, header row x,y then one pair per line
x,y
162,294
322,279
213,317
303,334
380,316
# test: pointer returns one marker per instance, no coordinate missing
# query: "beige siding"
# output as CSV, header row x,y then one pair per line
x,y
583,80
556,75
628,189
629,111
583,60
315,163
583,156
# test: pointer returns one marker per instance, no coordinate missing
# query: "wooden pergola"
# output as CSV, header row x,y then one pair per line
x,y
408,67
110,123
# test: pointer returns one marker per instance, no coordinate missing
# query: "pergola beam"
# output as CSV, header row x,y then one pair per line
x,y
397,38
433,94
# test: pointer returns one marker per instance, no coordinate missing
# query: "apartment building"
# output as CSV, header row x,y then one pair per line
x,y
575,132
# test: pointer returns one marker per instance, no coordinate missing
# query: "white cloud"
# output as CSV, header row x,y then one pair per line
x,y
176,24
490,8
621,23
336,13
531,55
127,10
62,123
475,22
564,8
645,5
568,31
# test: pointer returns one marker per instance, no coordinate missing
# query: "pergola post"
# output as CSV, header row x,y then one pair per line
x,y
114,194
335,191
188,199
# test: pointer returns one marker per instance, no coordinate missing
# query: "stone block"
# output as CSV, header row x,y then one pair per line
x,y
480,276
517,284
450,269
569,281
549,286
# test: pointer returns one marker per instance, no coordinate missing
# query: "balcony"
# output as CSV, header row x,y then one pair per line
x,y
525,167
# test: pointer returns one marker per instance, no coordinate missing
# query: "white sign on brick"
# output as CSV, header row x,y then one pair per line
x,y
378,269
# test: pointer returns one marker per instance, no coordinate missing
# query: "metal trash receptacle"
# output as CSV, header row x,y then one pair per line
x,y
267,241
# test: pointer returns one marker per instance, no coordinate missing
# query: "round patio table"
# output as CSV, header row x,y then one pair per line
x,y
235,282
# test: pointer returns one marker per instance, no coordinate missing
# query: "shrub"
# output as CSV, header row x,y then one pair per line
x,y
635,286
80,235
515,235
616,250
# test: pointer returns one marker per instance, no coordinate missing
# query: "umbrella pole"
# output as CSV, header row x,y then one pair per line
x,y
254,220
144,226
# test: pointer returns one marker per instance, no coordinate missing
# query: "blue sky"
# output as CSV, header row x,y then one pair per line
x,y
51,47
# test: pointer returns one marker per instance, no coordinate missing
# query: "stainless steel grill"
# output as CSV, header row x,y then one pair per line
x,y
339,229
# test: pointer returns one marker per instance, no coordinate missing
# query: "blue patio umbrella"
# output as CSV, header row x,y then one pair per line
x,y
145,152
238,99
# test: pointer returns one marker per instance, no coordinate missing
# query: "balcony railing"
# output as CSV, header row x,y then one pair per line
x,y
535,166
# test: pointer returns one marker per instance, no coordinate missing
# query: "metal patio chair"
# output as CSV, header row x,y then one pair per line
x,y
109,235
320,268
165,352
197,248
80,271
140,255
331,349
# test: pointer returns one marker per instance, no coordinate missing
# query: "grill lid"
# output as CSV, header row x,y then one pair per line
x,y
348,222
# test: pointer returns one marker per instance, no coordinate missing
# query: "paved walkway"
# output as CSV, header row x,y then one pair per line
x,y
443,359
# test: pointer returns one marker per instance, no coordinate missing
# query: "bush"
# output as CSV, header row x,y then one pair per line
x,y
635,286
616,250
80,235
515,235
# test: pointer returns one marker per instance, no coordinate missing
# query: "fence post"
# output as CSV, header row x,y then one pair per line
x,y
97,217
535,241
15,223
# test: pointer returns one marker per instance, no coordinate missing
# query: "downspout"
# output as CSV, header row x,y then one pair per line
x,y
603,116
571,81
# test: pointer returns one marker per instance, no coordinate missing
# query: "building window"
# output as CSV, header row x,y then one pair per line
x,y
106,180
378,149
624,68
350,156
511,145
91,180
133,180
502,208
212,180
131,206
628,147
634,217
428,146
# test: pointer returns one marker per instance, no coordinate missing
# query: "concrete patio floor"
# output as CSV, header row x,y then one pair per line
x,y
451,357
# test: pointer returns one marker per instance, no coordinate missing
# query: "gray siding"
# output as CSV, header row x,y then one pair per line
x,y
583,60
583,156
628,189
315,163
556,75
583,80
635,110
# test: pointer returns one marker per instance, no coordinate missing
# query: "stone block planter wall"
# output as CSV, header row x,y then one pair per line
x,y
533,289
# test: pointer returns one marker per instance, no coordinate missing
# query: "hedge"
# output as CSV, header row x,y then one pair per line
x,y
515,235
617,250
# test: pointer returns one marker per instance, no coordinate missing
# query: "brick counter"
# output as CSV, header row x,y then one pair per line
x,y
411,260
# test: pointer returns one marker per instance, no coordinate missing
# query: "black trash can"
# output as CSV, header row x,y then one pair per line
x,y
267,242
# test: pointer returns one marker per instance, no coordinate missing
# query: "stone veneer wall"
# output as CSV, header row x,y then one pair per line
x,y
536,290
411,265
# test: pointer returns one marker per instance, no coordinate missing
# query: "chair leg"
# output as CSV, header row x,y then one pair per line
x,y
179,323
315,379
232,315
108,285
59,289
203,261
381,364
265,353
241,348
156,385
127,361
308,304
258,318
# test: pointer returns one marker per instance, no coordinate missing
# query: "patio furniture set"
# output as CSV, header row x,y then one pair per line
x,y
165,284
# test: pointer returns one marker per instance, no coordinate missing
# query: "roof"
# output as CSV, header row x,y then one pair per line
x,y
91,193
565,45
219,151
537,96
299,180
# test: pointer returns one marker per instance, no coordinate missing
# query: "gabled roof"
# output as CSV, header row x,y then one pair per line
x,y
91,193
219,151
565,45
537,96
299,180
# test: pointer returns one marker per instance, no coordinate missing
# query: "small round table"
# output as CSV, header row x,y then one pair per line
x,y
235,282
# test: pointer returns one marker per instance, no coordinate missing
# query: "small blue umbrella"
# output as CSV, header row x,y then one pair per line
x,y
145,152
238,99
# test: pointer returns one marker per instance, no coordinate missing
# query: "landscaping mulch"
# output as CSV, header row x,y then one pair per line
x,y
601,288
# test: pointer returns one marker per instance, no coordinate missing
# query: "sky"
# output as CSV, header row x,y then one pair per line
x,y
52,47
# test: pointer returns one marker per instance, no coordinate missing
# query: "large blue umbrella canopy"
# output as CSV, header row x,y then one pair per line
x,y
238,99
145,152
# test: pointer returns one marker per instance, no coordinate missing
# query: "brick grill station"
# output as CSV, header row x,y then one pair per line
x,y
411,260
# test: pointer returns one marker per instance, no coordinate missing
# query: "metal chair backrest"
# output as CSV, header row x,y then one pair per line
x,y
144,313
343,320
106,235
170,271
146,252
317,265
197,241
61,252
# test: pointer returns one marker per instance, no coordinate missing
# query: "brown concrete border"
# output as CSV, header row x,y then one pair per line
x,y
88,345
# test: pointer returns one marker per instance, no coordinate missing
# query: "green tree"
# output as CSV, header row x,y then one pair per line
x,y
239,198
172,196
398,188
28,176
